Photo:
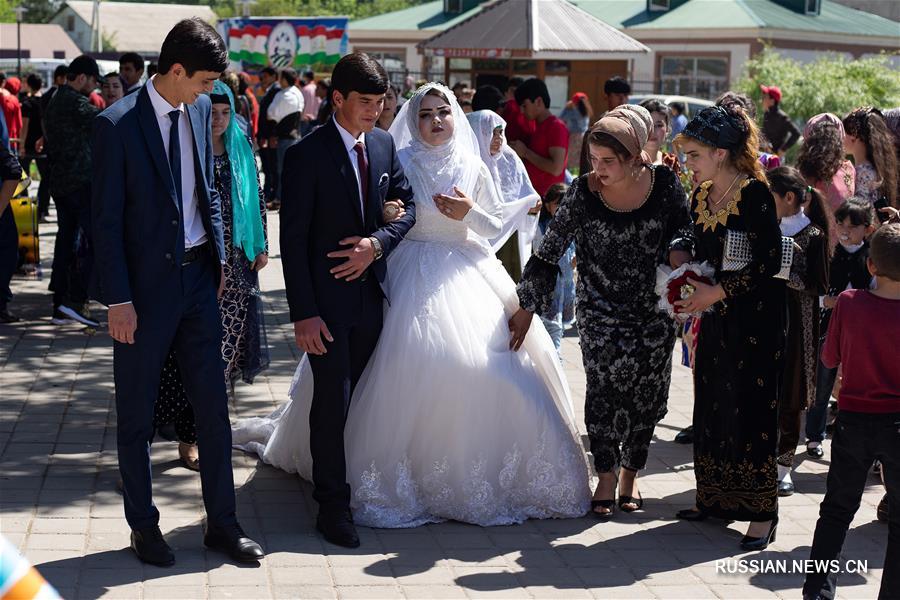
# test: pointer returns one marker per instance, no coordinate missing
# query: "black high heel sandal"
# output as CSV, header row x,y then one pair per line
x,y
689,514
638,502
760,543
608,504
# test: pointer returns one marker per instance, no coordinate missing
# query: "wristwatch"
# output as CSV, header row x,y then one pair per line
x,y
379,252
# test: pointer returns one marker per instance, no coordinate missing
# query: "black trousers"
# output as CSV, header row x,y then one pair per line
x,y
859,438
269,159
71,272
9,254
336,375
187,319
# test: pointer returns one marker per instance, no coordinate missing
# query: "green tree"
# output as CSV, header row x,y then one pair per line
x,y
355,9
832,83
6,11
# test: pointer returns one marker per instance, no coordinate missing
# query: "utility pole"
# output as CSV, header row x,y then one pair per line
x,y
20,13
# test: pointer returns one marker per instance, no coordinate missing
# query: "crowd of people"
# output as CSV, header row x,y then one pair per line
x,y
805,292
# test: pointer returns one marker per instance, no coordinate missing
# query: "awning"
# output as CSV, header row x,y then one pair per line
x,y
537,29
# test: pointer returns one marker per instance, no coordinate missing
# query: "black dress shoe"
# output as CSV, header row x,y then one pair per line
x,y
151,548
760,543
685,436
234,542
338,528
815,451
785,488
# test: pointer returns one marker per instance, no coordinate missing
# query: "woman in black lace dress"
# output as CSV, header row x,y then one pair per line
x,y
243,212
740,351
626,217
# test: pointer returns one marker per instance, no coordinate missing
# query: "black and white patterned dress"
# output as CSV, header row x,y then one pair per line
x,y
244,350
626,342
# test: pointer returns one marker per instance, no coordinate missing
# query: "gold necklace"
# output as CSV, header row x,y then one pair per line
x,y
711,220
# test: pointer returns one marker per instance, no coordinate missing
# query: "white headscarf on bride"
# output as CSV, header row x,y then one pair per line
x,y
437,168
512,182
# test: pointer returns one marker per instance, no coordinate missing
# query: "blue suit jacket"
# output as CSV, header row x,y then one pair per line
x,y
320,206
138,228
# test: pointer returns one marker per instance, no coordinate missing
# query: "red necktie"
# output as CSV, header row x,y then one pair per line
x,y
363,175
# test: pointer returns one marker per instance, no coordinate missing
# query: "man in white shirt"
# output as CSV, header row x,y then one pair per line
x,y
159,248
311,103
286,110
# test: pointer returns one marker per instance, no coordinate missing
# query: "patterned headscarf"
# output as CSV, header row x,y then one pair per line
x,y
714,127
247,227
630,124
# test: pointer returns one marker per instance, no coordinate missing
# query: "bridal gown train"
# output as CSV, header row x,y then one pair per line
x,y
446,423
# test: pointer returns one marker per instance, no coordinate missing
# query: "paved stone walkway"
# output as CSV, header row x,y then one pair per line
x,y
60,505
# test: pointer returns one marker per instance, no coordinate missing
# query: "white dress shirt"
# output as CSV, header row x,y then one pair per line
x,y
286,102
194,232
349,143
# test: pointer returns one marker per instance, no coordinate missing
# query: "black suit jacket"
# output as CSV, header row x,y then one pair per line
x,y
266,128
320,206
138,228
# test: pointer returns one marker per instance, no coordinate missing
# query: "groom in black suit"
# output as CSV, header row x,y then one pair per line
x,y
158,247
334,244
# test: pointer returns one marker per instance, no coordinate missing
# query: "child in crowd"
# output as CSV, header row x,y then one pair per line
x,y
554,321
805,216
855,221
869,140
862,337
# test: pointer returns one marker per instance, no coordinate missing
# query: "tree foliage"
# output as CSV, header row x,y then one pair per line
x,y
832,83
355,9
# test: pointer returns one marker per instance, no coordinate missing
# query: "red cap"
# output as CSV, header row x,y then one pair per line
x,y
578,96
773,91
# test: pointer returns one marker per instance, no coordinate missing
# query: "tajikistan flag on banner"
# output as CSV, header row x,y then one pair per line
x,y
247,44
318,45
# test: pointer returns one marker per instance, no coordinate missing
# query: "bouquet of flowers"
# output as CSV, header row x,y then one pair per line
x,y
672,285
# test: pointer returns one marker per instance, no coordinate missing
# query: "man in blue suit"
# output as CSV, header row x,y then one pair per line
x,y
159,249
335,241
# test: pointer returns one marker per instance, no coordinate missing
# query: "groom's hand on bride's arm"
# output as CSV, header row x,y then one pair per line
x,y
359,257
308,334
519,325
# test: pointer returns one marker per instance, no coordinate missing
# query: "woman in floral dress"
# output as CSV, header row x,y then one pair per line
x,y
243,212
626,217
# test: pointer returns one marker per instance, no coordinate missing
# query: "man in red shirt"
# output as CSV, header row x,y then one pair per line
x,y
862,338
518,128
546,153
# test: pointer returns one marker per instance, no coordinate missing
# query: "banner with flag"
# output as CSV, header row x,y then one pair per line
x,y
297,42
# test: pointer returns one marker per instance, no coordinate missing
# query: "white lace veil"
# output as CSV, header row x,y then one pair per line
x,y
436,168
506,167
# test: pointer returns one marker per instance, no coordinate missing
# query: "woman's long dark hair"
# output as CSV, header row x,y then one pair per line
x,y
868,125
788,179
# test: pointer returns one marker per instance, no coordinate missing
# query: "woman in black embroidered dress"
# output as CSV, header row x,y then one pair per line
x,y
740,352
626,217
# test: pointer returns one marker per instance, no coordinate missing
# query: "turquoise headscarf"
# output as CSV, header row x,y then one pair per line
x,y
247,229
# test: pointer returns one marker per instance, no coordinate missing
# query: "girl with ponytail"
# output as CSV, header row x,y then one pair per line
x,y
806,217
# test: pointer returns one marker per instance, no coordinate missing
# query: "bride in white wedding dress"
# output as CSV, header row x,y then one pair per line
x,y
446,422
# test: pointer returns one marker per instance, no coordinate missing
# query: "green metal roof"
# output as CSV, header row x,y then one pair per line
x,y
429,16
741,14
693,14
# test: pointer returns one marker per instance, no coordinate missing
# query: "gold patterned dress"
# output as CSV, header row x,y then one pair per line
x,y
739,361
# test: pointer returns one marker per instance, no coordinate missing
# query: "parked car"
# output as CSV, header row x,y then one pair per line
x,y
692,105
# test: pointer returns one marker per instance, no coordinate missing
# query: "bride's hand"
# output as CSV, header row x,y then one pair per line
x,y
393,210
454,207
519,325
